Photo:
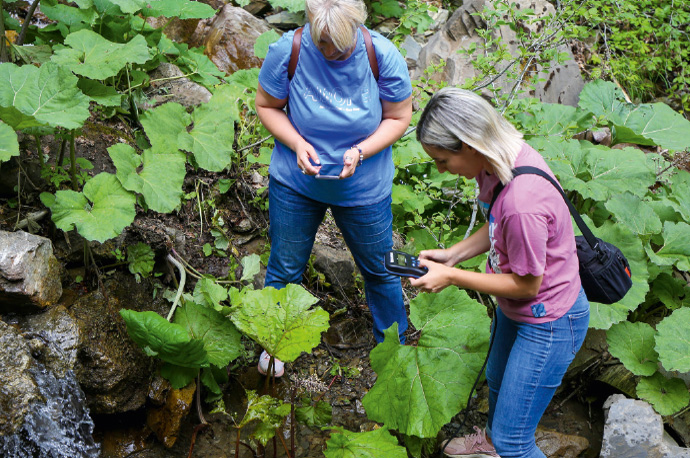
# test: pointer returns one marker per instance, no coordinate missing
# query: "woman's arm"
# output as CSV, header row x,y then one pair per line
x,y
270,112
395,120
474,245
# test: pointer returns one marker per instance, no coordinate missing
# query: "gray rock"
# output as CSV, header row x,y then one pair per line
x,y
413,48
29,273
173,87
337,265
285,20
634,430
18,390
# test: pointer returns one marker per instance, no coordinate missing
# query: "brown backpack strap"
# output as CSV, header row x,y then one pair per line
x,y
373,62
294,54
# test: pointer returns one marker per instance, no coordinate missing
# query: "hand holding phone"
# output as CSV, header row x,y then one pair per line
x,y
403,264
329,171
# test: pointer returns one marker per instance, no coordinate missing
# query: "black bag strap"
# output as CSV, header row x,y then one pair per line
x,y
297,42
529,170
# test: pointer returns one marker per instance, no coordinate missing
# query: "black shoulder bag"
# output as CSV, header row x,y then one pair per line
x,y
604,270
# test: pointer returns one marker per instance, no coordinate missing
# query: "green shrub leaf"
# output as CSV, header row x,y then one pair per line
x,y
69,15
31,96
210,293
9,145
166,127
268,411
263,41
673,341
100,213
129,6
100,93
167,341
668,396
220,337
91,55
178,376
634,213
182,9
319,414
675,250
633,345
280,320
251,265
420,388
370,444
141,259
160,179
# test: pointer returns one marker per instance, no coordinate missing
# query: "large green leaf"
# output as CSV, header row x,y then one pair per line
x,y
31,96
263,41
157,176
268,411
166,127
676,249
100,93
280,320
378,443
319,414
91,55
673,341
167,341
633,345
635,213
213,134
679,193
129,6
183,9
210,293
220,337
420,388
69,15
100,213
294,6
602,316
668,396
178,376
9,145
645,124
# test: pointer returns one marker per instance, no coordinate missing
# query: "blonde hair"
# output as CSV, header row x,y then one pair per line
x,y
338,18
455,116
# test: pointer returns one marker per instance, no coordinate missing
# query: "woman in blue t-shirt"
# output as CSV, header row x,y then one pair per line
x,y
333,148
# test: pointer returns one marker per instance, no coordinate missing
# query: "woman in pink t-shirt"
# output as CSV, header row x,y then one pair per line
x,y
532,268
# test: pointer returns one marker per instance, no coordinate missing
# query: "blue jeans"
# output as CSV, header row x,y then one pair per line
x,y
526,365
368,232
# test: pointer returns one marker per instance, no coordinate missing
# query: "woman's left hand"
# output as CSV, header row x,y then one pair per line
x,y
434,281
350,161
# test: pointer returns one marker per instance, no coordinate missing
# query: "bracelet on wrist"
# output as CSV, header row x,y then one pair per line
x,y
361,154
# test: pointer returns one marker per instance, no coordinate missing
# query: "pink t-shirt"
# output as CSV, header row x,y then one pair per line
x,y
531,233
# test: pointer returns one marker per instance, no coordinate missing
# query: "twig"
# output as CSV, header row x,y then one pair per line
x,y
31,217
183,278
25,25
254,144
196,431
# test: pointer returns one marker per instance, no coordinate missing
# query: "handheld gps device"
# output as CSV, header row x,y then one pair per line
x,y
403,264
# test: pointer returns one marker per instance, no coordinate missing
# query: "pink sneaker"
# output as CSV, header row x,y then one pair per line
x,y
473,445
264,361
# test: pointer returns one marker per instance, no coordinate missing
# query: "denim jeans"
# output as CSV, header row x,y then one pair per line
x,y
526,365
368,232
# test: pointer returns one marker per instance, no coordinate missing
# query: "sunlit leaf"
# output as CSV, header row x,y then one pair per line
x,y
633,345
69,15
263,41
100,213
673,341
251,265
369,444
210,293
182,9
268,411
420,388
9,146
635,213
166,127
676,249
667,395
280,320
91,55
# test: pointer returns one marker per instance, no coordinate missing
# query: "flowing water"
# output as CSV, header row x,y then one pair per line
x,y
57,427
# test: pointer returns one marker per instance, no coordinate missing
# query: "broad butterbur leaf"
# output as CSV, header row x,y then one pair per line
x,y
9,145
129,6
294,6
280,320
268,411
633,345
263,41
212,136
251,265
159,180
667,395
141,259
210,293
319,414
675,250
98,213
220,337
31,96
370,444
634,213
167,341
100,93
178,376
182,9
673,341
68,15
420,388
166,127
92,56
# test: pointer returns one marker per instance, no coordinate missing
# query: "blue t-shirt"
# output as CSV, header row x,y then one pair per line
x,y
334,105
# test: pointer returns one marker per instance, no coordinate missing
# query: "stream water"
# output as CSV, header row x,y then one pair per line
x,y
57,427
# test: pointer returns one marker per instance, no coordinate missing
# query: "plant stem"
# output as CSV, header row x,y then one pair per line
x,y
3,40
61,156
27,22
39,150
73,161
237,444
183,278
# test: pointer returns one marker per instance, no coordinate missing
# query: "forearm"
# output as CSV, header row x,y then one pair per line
x,y
396,119
509,285
472,246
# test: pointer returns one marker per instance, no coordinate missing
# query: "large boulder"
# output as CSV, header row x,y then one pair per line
x,y
562,84
30,275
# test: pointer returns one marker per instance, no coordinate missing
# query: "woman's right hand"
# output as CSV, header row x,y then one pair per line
x,y
304,151
444,257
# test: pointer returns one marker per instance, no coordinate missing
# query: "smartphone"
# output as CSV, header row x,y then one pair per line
x,y
403,264
329,171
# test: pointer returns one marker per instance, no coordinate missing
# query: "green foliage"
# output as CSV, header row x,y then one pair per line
x,y
668,396
420,388
280,320
633,344
9,146
268,411
319,414
140,259
369,444
673,341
